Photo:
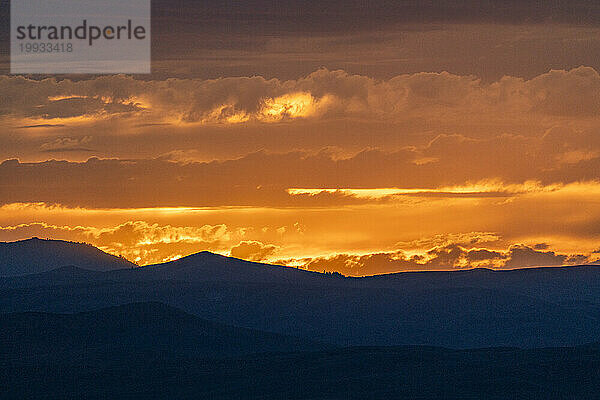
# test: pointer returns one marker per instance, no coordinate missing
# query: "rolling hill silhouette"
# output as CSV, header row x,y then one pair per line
x,y
149,350
150,330
209,326
206,266
538,307
36,255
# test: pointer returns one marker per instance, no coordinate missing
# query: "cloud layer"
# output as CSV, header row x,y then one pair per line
x,y
331,171
322,94
443,258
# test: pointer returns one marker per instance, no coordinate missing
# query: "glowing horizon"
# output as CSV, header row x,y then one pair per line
x,y
361,162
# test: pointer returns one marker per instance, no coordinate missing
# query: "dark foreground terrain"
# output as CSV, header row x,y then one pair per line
x,y
151,351
213,327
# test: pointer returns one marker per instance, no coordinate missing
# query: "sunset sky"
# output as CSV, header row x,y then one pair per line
x,y
333,135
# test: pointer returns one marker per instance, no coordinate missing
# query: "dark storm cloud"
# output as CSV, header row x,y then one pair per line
x,y
287,39
350,15
233,38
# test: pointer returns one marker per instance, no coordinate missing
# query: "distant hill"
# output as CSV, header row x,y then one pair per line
x,y
206,266
539,307
149,330
36,255
346,311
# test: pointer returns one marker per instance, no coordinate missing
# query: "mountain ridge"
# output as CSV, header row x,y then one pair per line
x,y
107,262
150,328
37,255
456,309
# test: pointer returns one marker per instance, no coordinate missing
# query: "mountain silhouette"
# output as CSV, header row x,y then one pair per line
x,y
209,326
151,351
539,307
150,330
206,266
37,255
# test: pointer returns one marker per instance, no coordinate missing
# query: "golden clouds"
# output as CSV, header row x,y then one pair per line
x,y
139,241
140,233
430,170
231,117
451,256
225,113
321,94
62,144
425,230
289,106
146,243
253,251
462,167
483,188
293,105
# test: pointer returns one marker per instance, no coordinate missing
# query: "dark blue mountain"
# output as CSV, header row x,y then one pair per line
x,y
36,255
149,330
89,362
210,267
538,307
208,326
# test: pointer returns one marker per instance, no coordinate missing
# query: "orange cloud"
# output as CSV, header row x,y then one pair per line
x,y
320,94
451,256
293,105
253,251
138,241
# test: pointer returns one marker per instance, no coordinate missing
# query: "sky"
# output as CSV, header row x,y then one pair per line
x,y
333,136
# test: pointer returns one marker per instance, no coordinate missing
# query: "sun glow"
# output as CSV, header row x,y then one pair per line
x,y
483,188
293,105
